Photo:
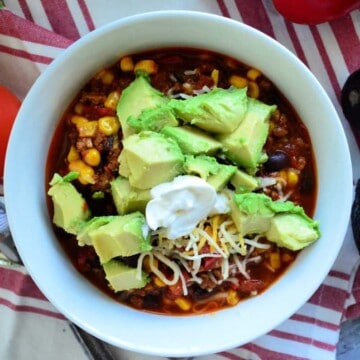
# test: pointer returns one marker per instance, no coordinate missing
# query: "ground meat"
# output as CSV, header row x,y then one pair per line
x,y
72,135
103,142
250,285
107,172
206,68
92,98
112,158
86,259
208,280
163,82
197,293
279,131
102,181
137,301
83,143
125,81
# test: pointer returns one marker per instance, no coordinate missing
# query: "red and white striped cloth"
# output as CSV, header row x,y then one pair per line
x,y
34,32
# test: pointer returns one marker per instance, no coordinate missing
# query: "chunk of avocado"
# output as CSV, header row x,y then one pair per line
x,y
151,158
192,140
126,198
125,235
292,231
83,237
201,165
244,145
153,119
207,167
139,95
219,180
218,111
122,277
243,182
284,223
123,165
251,213
70,208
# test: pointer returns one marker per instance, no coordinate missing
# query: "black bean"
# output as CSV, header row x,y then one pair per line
x,y
350,103
355,216
198,293
152,301
131,260
277,161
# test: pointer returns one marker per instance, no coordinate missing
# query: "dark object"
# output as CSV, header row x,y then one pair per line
x,y
350,102
314,12
355,216
277,161
94,348
7,246
349,346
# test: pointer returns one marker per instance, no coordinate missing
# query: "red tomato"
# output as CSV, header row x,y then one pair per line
x,y
314,11
9,106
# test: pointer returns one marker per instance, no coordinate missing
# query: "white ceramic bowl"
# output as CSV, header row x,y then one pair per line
x,y
44,258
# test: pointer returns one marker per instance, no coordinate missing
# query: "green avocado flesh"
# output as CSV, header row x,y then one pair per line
x,y
284,223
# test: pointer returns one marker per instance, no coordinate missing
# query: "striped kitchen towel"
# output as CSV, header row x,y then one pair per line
x,y
34,32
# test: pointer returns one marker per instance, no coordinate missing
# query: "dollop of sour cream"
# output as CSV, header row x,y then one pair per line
x,y
178,206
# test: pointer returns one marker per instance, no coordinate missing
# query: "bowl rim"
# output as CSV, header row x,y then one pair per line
x,y
164,325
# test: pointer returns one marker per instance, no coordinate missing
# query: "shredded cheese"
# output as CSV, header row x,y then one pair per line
x,y
190,72
213,238
241,266
255,243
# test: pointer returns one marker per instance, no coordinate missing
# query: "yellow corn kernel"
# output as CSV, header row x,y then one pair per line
x,y
76,119
78,108
253,74
146,264
283,175
92,157
73,154
238,81
275,261
183,303
112,100
215,76
109,125
292,177
158,282
84,127
89,129
86,172
106,76
253,89
149,66
126,63
232,297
